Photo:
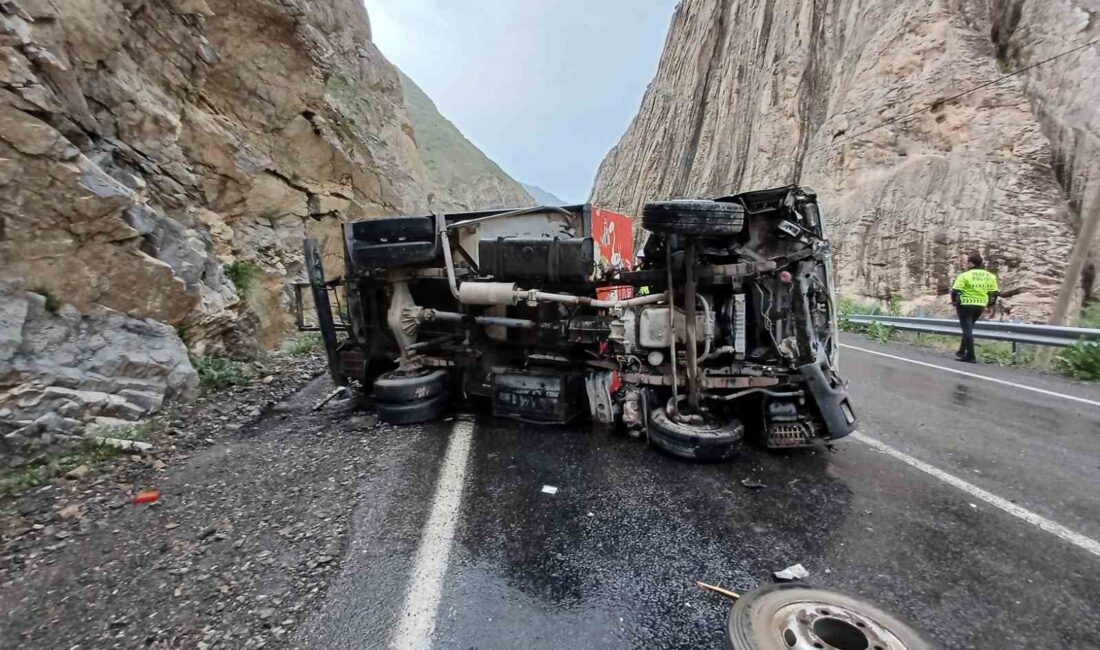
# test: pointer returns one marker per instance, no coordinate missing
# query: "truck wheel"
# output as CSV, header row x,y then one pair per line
x,y
711,441
421,410
779,617
399,386
392,241
695,217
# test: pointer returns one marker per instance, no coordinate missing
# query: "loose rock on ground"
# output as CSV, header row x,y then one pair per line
x,y
249,526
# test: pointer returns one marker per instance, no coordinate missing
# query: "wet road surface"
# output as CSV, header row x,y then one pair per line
x,y
610,560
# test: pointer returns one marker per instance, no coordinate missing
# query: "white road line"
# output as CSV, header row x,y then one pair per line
x,y
414,628
1077,539
975,376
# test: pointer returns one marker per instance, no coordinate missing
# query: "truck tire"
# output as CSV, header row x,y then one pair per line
x,y
779,617
698,442
693,217
421,410
397,386
392,241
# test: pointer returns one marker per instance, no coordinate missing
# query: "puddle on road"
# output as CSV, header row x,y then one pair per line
x,y
628,533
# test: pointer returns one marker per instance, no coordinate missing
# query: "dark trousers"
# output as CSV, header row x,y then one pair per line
x,y
968,315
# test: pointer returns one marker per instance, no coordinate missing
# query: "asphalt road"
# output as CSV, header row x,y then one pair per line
x,y
975,522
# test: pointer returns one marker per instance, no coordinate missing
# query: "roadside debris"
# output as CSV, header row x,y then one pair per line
x,y
753,484
549,489
718,590
795,572
78,473
342,390
119,443
147,496
360,422
292,472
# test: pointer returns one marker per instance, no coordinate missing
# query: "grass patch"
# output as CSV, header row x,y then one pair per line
x,y
1082,361
995,352
41,470
140,431
879,331
1090,316
24,478
220,372
53,304
303,345
93,452
1000,353
243,275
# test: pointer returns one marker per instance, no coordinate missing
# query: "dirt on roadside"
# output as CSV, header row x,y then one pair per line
x,y
255,489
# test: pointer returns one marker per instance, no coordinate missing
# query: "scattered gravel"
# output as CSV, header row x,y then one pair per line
x,y
250,524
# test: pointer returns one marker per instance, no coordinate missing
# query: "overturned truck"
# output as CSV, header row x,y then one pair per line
x,y
722,327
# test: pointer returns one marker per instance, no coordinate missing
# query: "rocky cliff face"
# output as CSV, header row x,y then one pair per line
x,y
146,144
459,176
756,93
152,151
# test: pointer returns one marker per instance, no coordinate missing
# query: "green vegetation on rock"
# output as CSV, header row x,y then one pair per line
x,y
53,305
243,275
220,372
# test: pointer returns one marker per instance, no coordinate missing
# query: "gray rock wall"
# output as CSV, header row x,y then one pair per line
x,y
147,144
757,93
60,368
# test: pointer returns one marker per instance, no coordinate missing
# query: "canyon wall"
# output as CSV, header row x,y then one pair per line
x,y
160,163
758,93
460,178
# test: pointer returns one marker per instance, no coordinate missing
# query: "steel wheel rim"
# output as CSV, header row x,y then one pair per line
x,y
819,625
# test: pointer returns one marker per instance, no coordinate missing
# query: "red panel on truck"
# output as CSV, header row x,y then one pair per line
x,y
614,235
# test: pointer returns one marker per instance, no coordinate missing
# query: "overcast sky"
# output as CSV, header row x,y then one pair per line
x,y
543,87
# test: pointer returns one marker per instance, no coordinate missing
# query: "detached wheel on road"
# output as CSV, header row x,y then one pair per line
x,y
781,617
408,386
695,217
711,441
411,396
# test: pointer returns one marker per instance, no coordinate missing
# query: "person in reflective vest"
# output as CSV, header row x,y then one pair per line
x,y
974,291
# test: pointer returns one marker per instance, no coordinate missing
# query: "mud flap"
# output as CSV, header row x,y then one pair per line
x,y
316,273
831,399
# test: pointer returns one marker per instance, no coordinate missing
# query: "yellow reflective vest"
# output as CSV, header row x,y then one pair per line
x,y
974,287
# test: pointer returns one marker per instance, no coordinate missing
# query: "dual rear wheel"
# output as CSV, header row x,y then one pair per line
x,y
411,396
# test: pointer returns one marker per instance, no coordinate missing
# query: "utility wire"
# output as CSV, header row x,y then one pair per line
x,y
940,102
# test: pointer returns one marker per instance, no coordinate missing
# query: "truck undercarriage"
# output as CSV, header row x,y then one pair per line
x,y
722,327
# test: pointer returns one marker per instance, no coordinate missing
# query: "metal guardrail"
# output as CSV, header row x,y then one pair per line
x,y
1026,333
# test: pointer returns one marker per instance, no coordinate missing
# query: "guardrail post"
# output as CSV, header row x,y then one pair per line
x,y
1017,357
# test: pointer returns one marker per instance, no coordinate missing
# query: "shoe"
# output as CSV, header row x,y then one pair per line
x,y
966,360
959,356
